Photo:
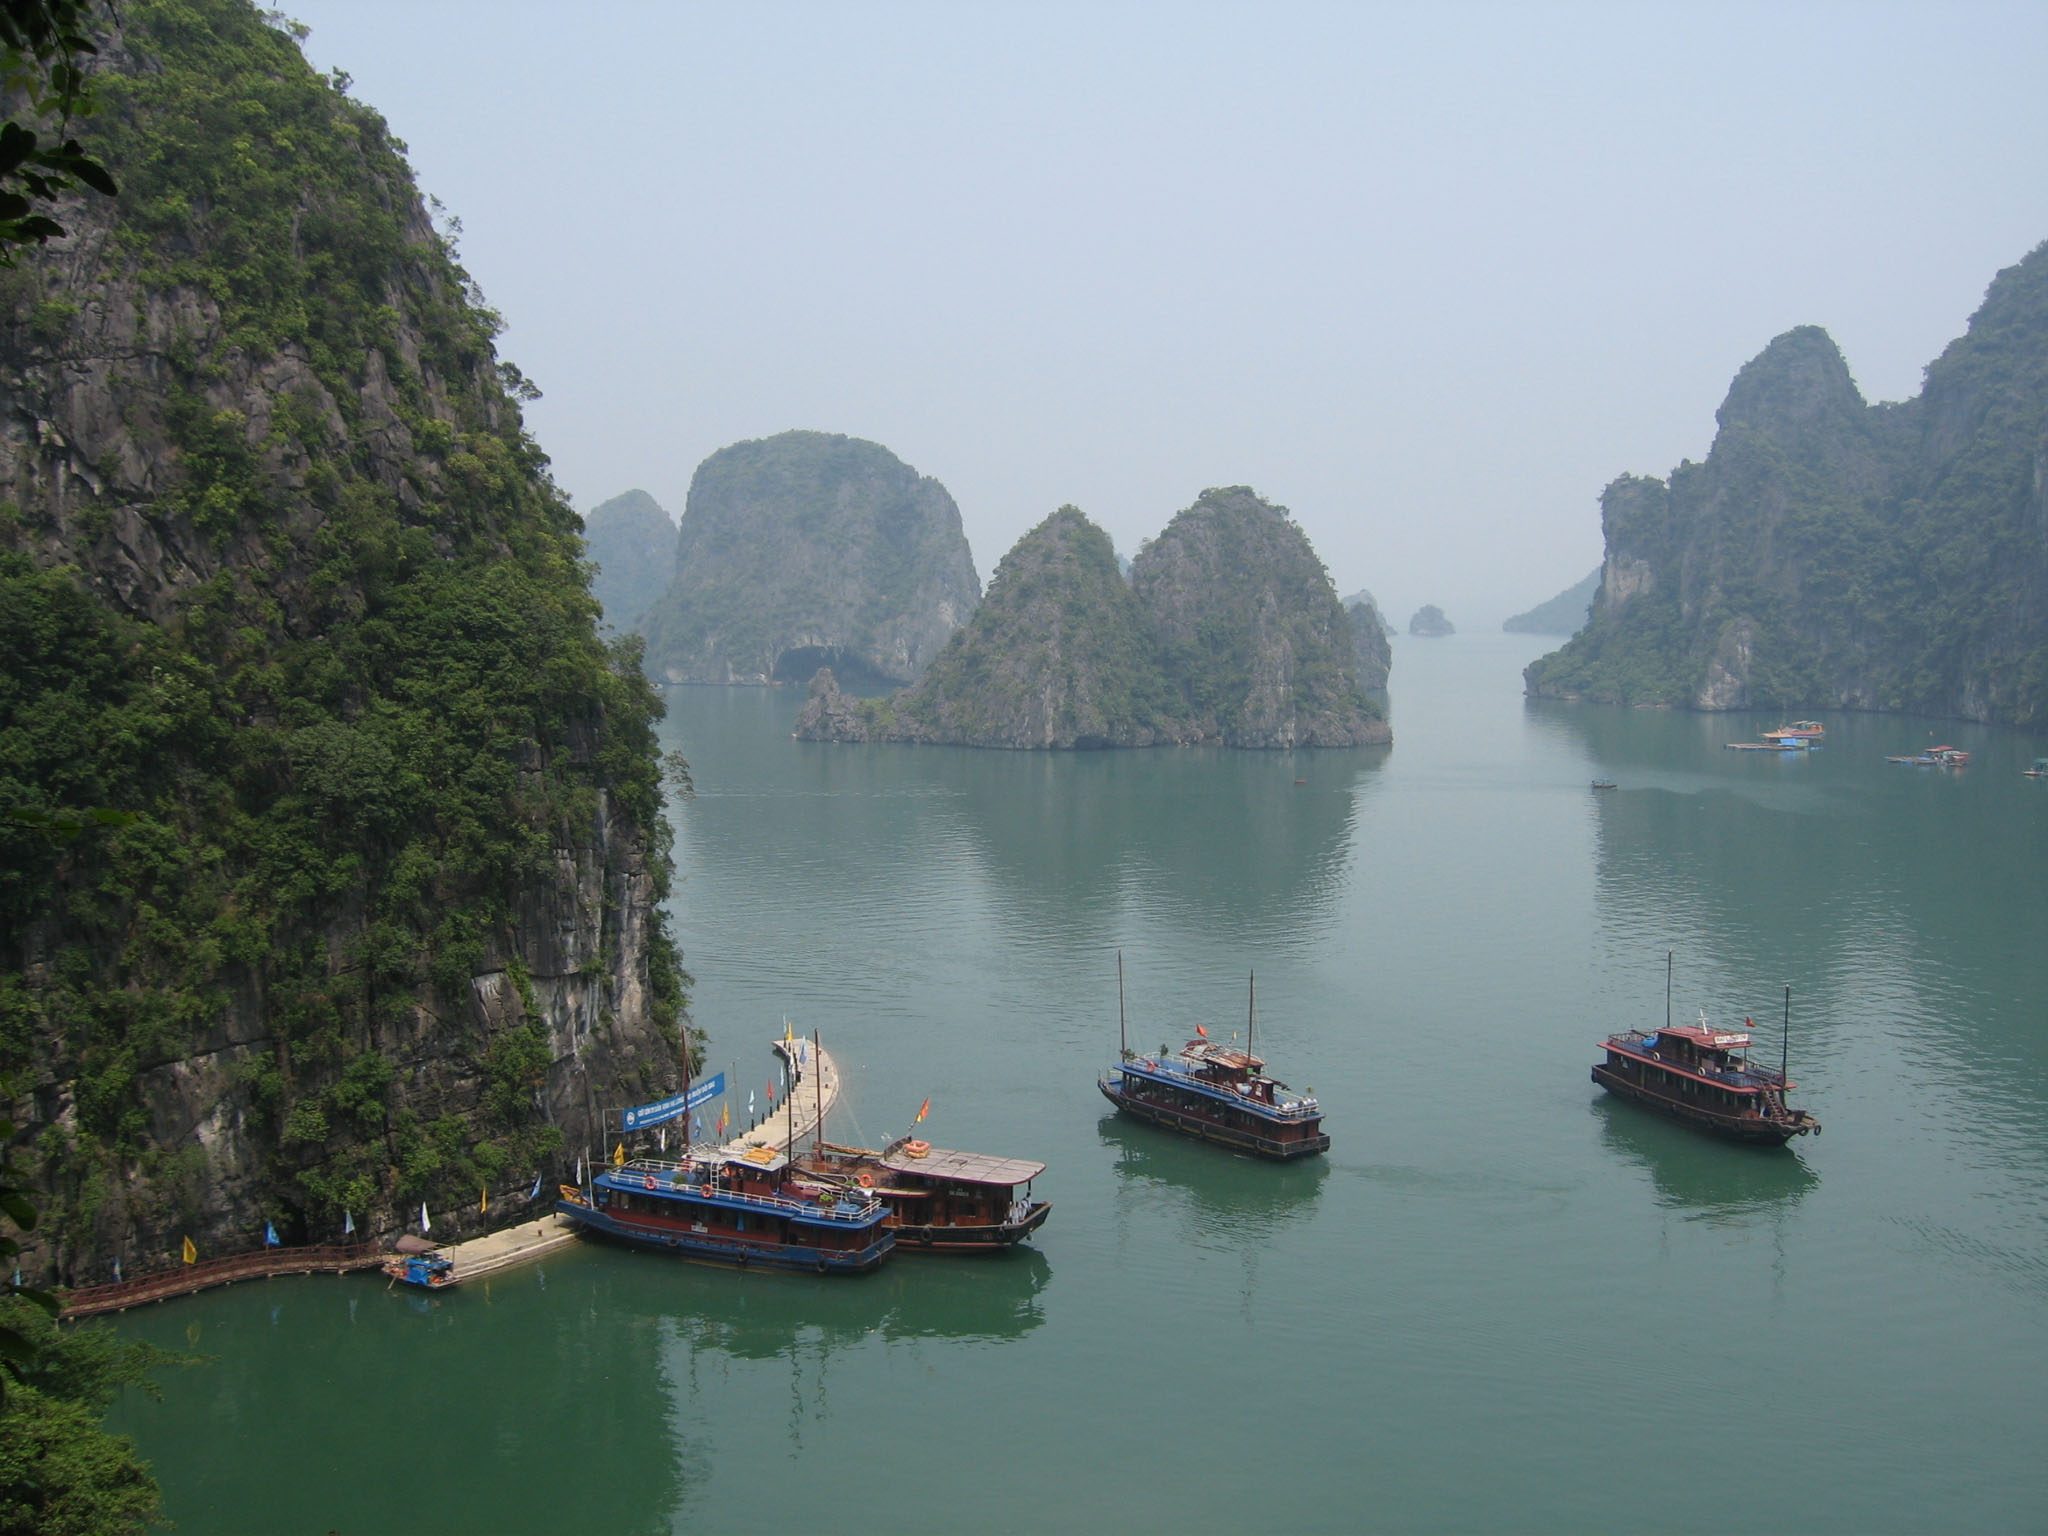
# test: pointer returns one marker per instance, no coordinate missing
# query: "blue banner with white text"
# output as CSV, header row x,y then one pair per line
x,y
641,1116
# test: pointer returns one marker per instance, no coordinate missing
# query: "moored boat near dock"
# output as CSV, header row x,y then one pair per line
x,y
938,1201
742,1209
1700,1075
1215,1093
1798,730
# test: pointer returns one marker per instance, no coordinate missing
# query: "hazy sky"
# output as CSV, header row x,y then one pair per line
x,y
1430,276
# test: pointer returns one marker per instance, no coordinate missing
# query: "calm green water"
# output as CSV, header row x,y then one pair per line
x,y
1502,1302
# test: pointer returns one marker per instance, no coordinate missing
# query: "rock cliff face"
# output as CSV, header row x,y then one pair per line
x,y
807,550
1369,636
1833,553
1228,632
1564,614
284,582
1429,622
632,542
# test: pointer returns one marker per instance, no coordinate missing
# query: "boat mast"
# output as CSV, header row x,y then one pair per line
x,y
1251,1012
818,1067
1123,1051
1667,989
1785,1040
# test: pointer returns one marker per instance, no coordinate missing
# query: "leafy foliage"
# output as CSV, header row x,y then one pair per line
x,y
42,47
348,756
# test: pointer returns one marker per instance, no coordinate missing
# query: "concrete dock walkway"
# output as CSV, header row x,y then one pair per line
x,y
811,1070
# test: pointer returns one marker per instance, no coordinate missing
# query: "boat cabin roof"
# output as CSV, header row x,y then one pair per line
x,y
1208,1053
964,1167
1707,1037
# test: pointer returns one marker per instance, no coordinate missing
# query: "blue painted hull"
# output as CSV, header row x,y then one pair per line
x,y
736,1252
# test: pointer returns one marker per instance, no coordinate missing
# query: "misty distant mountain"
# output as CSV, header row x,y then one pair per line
x,y
1365,597
631,540
1564,614
1430,623
1835,553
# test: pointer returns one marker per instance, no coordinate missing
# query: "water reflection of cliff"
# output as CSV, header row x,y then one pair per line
x,y
1240,1199
1699,1176
1201,836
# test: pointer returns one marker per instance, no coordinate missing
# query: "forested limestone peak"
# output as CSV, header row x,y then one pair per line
x,y
1564,614
1833,553
631,540
808,549
1227,631
284,580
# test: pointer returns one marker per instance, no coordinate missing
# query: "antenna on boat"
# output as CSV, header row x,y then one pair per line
x,y
1785,1040
817,1066
1123,1051
1667,989
1251,1014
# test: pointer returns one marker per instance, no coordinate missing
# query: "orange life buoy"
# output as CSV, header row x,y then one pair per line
x,y
916,1148
867,1180
648,1180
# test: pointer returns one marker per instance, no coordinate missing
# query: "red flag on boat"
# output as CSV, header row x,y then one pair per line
x,y
1201,1031
922,1110
771,1090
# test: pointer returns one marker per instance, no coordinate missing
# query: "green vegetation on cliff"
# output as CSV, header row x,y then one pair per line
x,y
1830,552
284,577
1227,631
632,544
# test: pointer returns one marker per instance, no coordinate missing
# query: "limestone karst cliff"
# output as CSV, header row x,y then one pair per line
x,y
631,541
809,549
284,582
1227,632
1370,634
1834,553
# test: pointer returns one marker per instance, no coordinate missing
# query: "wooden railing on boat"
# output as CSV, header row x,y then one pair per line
x,y
160,1285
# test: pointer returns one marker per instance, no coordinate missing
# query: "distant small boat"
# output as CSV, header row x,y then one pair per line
x,y
1604,784
1800,730
2039,770
1935,757
1788,745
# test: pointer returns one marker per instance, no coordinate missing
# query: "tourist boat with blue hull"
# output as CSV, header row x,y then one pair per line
x,y
1702,1076
1216,1093
732,1208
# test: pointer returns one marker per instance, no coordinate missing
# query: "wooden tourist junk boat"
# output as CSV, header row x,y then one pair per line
x,y
1798,730
1934,757
937,1201
742,1208
1698,1074
1215,1093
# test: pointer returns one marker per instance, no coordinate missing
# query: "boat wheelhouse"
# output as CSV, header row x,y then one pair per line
x,y
732,1208
1218,1093
938,1201
1702,1076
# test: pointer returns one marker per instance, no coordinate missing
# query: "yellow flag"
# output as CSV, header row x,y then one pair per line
x,y
787,1037
486,1201
619,1155
191,1253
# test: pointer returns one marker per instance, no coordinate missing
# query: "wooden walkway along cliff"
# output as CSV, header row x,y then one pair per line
x,y
120,1295
510,1247
490,1254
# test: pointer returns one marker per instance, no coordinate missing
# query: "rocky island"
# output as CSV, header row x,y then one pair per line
x,y
1429,622
1370,634
809,549
1833,553
374,916
1227,632
632,545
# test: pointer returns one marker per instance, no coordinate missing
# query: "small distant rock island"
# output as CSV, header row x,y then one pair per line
x,y
1564,614
810,549
631,541
1429,621
1226,633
